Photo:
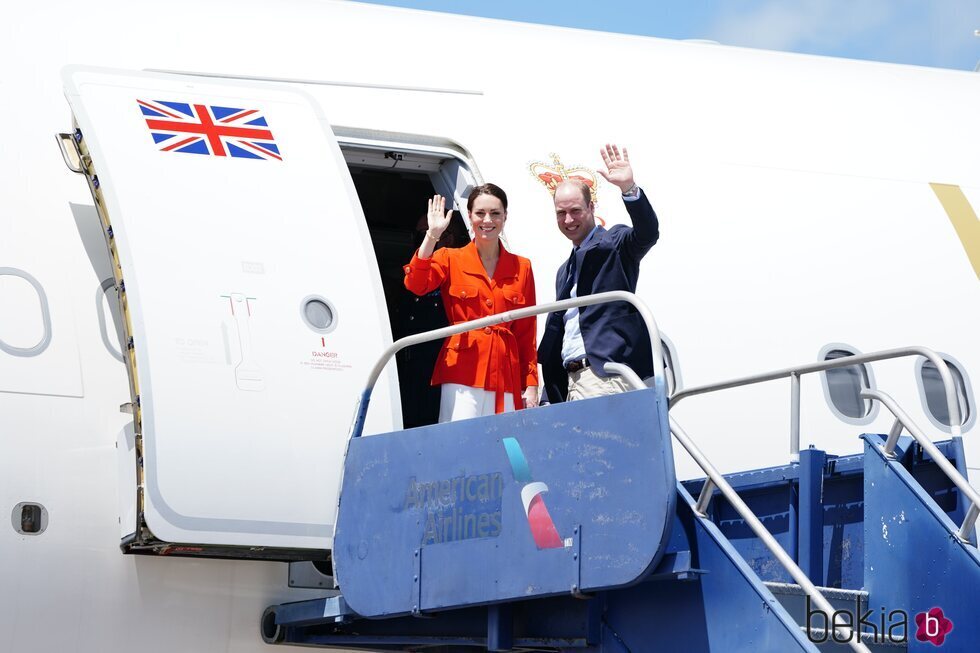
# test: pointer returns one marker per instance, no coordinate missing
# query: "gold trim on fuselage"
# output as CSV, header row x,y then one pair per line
x,y
964,220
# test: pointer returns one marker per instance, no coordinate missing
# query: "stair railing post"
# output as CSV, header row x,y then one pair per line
x,y
794,418
966,530
892,441
707,491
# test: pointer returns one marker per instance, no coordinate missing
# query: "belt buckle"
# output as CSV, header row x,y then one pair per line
x,y
577,365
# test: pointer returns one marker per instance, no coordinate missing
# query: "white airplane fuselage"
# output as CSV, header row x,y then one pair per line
x,y
800,206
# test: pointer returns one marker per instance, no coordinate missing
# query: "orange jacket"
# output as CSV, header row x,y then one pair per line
x,y
501,358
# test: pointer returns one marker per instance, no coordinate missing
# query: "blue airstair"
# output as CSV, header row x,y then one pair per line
x,y
564,529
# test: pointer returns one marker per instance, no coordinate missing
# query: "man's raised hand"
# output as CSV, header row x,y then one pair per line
x,y
620,172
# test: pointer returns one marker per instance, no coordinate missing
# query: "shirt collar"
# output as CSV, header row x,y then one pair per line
x,y
588,238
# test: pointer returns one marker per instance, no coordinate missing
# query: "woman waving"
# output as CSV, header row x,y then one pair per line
x,y
489,370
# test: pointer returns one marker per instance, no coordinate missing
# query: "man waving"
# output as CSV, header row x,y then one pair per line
x,y
579,342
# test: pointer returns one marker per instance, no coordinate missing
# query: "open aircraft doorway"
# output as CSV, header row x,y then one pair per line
x,y
394,180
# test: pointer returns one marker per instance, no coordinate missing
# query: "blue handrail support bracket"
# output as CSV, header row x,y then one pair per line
x,y
564,499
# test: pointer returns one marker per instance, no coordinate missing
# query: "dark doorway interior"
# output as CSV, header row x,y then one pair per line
x,y
394,204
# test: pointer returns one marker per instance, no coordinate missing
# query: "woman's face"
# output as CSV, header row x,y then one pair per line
x,y
487,218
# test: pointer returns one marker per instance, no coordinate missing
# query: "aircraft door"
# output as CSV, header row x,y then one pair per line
x,y
250,295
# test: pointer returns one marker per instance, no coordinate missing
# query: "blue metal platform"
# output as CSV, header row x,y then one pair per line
x,y
570,498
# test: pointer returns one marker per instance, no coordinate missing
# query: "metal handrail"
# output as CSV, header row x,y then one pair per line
x,y
794,373
357,427
716,480
903,420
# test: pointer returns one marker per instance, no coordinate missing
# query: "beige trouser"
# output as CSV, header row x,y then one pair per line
x,y
585,383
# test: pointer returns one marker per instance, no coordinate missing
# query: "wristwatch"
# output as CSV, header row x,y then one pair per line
x,y
632,193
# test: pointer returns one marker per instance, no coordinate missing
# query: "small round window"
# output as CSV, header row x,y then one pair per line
x,y
933,393
29,518
318,314
843,386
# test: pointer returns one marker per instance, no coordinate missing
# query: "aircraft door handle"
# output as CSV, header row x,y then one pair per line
x,y
248,375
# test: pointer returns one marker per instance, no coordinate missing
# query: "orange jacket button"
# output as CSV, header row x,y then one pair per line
x,y
489,302
407,269
488,330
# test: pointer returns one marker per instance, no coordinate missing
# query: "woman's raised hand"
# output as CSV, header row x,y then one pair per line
x,y
438,222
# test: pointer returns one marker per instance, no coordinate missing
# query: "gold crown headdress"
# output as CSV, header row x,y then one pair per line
x,y
556,173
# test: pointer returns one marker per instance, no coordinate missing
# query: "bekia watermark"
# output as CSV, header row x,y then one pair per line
x,y
843,626
933,626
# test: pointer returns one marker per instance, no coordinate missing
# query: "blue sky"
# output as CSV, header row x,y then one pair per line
x,y
938,33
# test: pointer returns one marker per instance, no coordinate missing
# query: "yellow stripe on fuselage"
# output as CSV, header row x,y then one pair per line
x,y
964,220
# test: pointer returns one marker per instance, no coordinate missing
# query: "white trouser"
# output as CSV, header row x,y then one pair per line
x,y
464,402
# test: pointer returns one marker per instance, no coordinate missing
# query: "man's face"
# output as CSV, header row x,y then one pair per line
x,y
575,215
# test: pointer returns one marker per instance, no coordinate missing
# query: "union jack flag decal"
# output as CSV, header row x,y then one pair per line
x,y
208,129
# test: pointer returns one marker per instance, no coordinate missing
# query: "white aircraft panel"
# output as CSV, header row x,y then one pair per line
x,y
220,252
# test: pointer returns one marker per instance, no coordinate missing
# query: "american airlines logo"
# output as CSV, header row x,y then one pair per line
x,y
542,526
464,507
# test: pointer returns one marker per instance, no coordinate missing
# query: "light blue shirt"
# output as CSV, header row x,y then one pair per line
x,y
573,345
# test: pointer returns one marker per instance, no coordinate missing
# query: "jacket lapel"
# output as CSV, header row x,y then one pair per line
x,y
472,265
567,279
507,265
583,252
600,231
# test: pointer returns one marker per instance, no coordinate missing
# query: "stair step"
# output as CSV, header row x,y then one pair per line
x,y
879,645
841,599
855,602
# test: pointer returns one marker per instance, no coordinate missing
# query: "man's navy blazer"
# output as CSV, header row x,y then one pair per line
x,y
613,332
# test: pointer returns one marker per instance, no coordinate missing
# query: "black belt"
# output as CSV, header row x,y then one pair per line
x,y
576,365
